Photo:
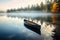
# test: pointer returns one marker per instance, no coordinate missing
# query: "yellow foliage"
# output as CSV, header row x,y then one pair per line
x,y
55,8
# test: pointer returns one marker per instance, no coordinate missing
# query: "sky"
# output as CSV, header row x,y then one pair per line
x,y
8,4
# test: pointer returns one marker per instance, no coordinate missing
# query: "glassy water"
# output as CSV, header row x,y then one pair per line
x,y
12,26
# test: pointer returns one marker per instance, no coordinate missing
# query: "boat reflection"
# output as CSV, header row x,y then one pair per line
x,y
32,26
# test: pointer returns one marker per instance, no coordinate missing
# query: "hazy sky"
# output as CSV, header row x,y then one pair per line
x,y
8,4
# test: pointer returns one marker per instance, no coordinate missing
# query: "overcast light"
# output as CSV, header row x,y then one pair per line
x,y
8,4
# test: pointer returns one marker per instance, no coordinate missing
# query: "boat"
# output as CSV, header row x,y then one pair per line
x,y
32,26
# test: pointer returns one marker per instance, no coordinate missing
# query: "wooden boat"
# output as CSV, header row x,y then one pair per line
x,y
32,26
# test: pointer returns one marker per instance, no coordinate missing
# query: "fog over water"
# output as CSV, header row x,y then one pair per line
x,y
12,26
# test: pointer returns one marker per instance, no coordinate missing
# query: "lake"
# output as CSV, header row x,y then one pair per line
x,y
12,26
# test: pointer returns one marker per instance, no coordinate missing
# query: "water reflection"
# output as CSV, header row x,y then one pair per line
x,y
13,29
33,15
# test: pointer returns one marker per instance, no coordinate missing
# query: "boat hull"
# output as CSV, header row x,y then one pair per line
x,y
36,28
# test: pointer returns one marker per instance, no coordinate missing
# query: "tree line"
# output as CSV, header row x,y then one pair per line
x,y
47,7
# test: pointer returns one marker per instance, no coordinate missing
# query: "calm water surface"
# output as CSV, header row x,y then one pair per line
x,y
12,26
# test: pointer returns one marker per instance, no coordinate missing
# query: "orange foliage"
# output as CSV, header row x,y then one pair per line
x,y
55,8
